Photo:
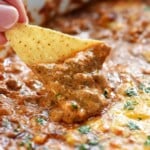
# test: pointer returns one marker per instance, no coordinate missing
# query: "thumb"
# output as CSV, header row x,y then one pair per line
x,y
8,17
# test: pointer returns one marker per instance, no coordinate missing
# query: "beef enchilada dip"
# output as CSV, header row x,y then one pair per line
x,y
88,105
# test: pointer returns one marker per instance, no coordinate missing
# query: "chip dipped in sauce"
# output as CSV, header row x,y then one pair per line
x,y
26,115
68,67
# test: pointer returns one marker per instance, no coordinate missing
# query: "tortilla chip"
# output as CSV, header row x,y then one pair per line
x,y
36,45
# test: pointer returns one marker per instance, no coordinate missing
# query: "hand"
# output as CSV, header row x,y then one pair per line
x,y
11,12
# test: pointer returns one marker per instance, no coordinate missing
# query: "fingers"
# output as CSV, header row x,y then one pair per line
x,y
8,17
2,39
2,2
11,12
18,4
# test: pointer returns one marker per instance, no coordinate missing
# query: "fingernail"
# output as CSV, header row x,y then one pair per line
x,y
8,17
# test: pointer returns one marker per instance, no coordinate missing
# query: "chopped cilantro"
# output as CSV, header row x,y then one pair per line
x,y
105,93
84,147
41,121
141,86
131,92
93,142
6,123
144,88
84,129
90,147
16,130
133,126
26,142
147,90
74,105
129,105
28,145
147,142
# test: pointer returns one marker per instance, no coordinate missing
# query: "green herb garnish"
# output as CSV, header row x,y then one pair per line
x,y
41,121
105,93
131,92
84,147
129,105
84,129
147,142
147,90
6,123
141,86
16,130
144,88
93,142
74,105
133,126
90,147
26,142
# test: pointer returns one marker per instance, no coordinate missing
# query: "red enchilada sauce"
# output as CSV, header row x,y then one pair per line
x,y
25,117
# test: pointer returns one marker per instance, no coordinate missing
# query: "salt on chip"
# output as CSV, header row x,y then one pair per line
x,y
35,45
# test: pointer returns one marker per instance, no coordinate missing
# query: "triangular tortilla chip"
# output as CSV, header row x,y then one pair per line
x,y
36,45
